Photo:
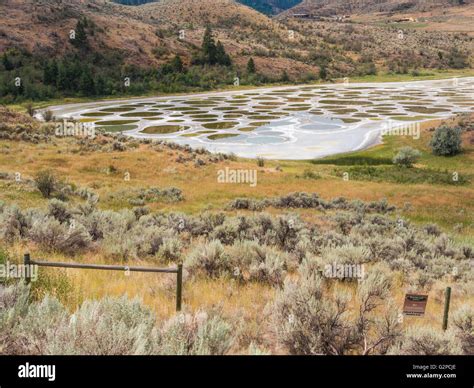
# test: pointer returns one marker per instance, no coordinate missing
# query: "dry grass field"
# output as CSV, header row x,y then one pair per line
x,y
255,256
450,206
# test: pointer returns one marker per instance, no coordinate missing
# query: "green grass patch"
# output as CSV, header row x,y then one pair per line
x,y
221,136
116,122
396,174
117,110
141,114
221,125
164,129
354,160
118,128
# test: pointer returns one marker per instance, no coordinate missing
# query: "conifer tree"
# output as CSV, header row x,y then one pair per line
x,y
209,47
251,66
80,40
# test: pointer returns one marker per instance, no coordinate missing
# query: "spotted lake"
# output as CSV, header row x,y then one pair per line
x,y
298,122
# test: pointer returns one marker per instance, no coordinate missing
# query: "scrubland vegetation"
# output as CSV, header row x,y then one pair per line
x,y
258,261
255,279
311,314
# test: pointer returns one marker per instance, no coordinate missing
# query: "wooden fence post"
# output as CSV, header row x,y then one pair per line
x,y
447,299
26,262
179,287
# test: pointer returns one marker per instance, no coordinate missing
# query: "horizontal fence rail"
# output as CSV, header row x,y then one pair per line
x,y
178,271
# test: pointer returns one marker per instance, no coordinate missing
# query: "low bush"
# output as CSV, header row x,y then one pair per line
x,y
110,326
201,333
427,341
463,322
171,249
300,200
256,262
52,235
46,183
446,141
346,255
406,157
37,331
13,306
141,197
308,321
211,259
13,224
59,210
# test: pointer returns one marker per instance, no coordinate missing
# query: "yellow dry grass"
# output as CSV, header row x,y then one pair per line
x,y
447,205
430,203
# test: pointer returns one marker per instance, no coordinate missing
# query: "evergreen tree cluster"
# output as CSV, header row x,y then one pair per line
x,y
80,39
83,72
212,52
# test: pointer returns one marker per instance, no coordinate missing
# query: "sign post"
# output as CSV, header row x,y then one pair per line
x,y
415,304
447,299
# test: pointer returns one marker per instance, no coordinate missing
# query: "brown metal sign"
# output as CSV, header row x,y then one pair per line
x,y
415,304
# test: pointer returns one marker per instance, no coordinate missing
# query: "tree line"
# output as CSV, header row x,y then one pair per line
x,y
83,72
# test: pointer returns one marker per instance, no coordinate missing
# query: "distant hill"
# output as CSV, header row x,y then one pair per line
x,y
333,7
148,35
157,44
270,7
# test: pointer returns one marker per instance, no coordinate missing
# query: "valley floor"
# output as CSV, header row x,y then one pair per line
x,y
302,122
423,195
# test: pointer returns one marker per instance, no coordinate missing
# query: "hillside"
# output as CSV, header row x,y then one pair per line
x,y
141,42
146,35
338,7
43,25
268,7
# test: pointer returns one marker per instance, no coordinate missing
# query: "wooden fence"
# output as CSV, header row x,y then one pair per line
x,y
178,271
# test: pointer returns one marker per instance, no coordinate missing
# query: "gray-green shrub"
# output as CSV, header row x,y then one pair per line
x,y
211,259
463,323
13,305
110,326
52,235
46,183
406,157
446,141
427,341
201,333
309,321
